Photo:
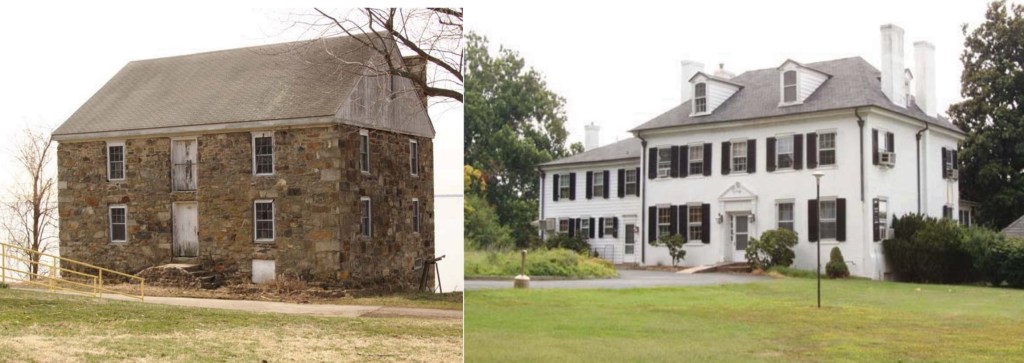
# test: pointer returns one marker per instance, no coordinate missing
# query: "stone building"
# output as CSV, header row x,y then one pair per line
x,y
288,159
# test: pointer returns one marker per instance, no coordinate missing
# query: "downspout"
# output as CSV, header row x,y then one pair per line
x,y
542,183
860,123
918,136
643,199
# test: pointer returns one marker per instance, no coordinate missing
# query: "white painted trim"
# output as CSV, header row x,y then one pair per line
x,y
414,171
124,159
369,217
364,133
110,223
782,88
273,220
223,127
693,105
273,151
418,221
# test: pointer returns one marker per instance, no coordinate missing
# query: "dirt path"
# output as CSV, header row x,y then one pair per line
x,y
348,311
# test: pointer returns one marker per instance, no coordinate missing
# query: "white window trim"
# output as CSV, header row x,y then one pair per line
x,y
585,219
608,221
273,220
369,217
564,182
657,163
416,216
885,220
690,160
273,152
700,223
821,220
732,155
559,229
414,157
597,175
110,222
707,107
782,88
835,146
791,153
778,216
883,139
657,210
124,159
626,183
365,169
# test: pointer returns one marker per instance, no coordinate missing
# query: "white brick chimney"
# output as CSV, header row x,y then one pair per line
x,y
893,81
924,80
591,141
690,68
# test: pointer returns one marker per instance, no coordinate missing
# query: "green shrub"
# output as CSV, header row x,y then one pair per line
x,y
934,252
792,272
985,247
774,248
483,230
563,241
674,242
540,262
836,267
1011,262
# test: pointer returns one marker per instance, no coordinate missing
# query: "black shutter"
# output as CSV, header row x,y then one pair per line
x,y
615,227
681,213
637,182
600,227
607,187
674,169
726,153
685,160
572,227
945,159
890,142
952,154
591,227
590,184
572,186
874,146
798,151
705,223
622,183
673,226
707,159
652,163
841,219
770,147
751,156
555,188
652,223
874,221
812,220
812,150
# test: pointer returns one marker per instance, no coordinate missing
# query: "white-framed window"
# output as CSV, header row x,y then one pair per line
x,y
694,219
630,186
664,220
115,160
118,217
739,156
827,148
598,184
414,157
881,217
365,217
700,99
263,153
416,215
664,162
263,220
789,87
966,217
696,162
563,225
563,186
609,226
784,152
827,219
784,217
364,151
585,227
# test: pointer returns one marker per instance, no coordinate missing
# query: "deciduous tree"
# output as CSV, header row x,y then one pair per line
x,y
30,215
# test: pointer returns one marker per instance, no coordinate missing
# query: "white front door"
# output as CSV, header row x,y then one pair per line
x,y
183,164
186,230
739,233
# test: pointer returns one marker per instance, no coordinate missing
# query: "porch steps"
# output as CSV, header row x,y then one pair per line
x,y
181,275
727,267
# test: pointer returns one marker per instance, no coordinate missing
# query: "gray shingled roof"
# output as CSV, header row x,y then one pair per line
x,y
854,83
1015,229
270,82
621,150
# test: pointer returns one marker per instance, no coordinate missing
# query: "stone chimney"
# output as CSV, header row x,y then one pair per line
x,y
722,73
924,82
690,68
591,141
417,65
893,81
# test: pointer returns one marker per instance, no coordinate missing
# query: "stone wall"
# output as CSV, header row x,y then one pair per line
x,y
316,189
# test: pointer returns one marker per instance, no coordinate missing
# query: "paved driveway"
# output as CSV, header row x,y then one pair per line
x,y
627,279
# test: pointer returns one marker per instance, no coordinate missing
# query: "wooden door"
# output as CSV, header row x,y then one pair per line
x,y
186,230
183,164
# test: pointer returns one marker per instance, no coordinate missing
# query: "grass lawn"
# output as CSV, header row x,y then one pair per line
x,y
43,327
771,321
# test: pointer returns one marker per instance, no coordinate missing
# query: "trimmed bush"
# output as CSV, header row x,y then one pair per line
x,y
773,248
836,267
985,247
1011,262
933,253
563,241
674,242
540,262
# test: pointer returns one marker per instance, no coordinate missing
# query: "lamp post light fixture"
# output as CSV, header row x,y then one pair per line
x,y
817,237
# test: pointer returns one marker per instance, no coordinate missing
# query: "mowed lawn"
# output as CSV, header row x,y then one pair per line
x,y
775,320
43,327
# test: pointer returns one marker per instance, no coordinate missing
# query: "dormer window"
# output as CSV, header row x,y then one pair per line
x,y
789,87
700,99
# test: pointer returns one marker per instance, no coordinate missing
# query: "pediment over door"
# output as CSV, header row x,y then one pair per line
x,y
737,192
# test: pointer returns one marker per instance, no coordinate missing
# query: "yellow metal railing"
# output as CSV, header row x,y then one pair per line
x,y
53,279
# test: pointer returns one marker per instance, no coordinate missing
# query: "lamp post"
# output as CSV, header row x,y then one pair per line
x,y
817,237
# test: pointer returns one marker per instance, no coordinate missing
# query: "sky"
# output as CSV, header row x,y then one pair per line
x,y
619,66
57,55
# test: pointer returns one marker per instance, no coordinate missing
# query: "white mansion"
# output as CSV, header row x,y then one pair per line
x,y
736,158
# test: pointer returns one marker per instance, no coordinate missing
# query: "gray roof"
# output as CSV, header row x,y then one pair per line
x,y
621,150
1015,229
854,83
295,80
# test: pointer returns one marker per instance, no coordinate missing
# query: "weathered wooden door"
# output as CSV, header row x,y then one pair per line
x,y
183,164
186,230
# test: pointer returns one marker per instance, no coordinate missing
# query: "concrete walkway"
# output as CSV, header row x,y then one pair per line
x,y
348,311
627,279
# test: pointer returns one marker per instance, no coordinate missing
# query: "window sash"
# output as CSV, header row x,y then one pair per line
x,y
739,156
563,225
696,156
827,218
609,226
630,182
664,221
263,154
827,148
785,215
563,186
784,152
789,86
664,161
364,153
263,216
119,224
585,227
598,184
414,157
364,217
694,217
115,162
700,98
416,216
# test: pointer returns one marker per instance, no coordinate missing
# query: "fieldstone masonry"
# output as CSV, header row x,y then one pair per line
x,y
316,189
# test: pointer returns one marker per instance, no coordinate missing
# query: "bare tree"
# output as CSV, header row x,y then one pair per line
x,y
31,210
432,34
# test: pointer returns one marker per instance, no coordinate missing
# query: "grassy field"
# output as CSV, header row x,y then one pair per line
x,y
41,327
540,262
771,321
